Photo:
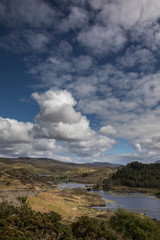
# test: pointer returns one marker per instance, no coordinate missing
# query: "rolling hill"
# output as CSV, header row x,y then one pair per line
x,y
43,173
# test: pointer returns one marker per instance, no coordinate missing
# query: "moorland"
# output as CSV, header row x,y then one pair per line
x,y
32,207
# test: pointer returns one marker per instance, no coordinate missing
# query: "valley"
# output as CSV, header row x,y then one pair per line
x,y
33,184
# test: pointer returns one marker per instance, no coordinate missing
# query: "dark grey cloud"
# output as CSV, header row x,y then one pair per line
x,y
77,19
34,42
34,13
102,40
141,59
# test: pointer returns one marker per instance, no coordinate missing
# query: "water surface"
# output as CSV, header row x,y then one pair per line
x,y
70,185
135,202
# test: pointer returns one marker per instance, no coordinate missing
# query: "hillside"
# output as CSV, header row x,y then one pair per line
x,y
43,173
52,213
136,174
103,164
20,178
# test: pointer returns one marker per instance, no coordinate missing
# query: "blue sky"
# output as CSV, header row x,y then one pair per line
x,y
80,80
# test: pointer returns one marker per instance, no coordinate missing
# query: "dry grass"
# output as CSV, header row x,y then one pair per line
x,y
57,171
88,174
67,203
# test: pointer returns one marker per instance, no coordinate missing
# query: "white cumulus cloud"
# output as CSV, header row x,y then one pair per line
x,y
12,131
108,130
58,119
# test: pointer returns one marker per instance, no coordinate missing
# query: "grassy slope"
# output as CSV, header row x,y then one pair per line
x,y
26,173
70,204
16,176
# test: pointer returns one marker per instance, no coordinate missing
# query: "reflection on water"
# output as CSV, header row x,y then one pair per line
x,y
135,202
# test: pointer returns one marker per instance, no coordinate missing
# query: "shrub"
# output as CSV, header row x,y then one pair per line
x,y
134,227
22,223
22,199
87,228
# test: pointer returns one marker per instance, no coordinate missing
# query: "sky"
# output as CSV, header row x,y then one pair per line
x,y
80,80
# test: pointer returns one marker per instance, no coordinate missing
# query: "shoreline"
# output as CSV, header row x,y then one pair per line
x,y
123,189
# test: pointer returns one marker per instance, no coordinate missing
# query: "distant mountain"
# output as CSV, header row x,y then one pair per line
x,y
48,161
45,160
104,164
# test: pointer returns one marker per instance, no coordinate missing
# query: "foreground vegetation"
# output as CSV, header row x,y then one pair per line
x,y
23,223
132,226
